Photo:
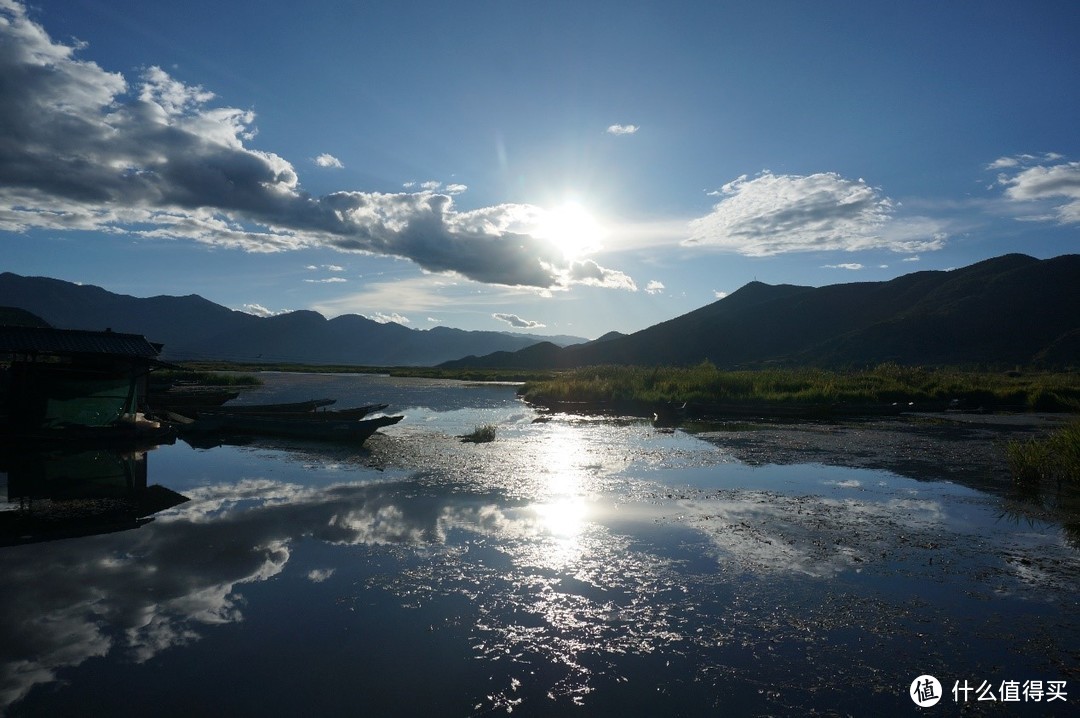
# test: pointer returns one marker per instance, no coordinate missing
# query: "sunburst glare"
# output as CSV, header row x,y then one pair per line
x,y
571,228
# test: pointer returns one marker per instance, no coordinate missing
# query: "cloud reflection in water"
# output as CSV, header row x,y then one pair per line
x,y
516,555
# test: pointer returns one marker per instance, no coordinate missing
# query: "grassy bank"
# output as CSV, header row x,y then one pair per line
x,y
886,383
514,375
206,377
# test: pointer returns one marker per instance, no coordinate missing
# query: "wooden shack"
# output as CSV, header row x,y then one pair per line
x,y
68,378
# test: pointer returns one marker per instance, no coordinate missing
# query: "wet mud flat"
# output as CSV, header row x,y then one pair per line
x,y
932,446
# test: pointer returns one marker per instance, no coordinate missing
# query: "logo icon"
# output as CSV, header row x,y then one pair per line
x,y
925,691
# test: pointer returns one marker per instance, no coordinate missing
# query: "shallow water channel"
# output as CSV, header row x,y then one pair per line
x,y
572,566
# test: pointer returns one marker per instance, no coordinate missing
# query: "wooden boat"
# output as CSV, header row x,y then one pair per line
x,y
296,407
352,431
191,399
358,412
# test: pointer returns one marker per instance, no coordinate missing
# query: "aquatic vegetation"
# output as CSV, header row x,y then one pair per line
x,y
424,372
206,378
1055,457
481,434
885,383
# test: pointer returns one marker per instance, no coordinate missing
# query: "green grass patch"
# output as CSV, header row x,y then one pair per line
x,y
1052,458
505,375
480,435
886,383
206,378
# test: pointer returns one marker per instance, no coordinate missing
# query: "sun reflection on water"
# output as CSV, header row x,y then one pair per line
x,y
565,488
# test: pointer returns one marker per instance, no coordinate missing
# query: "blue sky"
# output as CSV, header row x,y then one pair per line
x,y
556,168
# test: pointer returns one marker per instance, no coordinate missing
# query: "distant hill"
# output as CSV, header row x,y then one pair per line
x,y
192,327
15,317
1009,310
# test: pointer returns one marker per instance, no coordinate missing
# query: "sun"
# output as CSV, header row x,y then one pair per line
x,y
571,228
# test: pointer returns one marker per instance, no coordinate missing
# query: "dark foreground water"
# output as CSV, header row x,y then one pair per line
x,y
572,567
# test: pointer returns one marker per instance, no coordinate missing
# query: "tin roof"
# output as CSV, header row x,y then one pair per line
x,y
41,340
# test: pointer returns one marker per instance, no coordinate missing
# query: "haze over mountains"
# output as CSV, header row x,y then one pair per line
x,y
1009,310
192,327
1004,311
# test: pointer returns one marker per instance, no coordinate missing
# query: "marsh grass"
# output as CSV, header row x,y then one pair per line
x,y
207,378
481,434
499,375
886,383
1052,458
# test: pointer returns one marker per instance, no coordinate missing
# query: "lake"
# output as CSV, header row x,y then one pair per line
x,y
584,566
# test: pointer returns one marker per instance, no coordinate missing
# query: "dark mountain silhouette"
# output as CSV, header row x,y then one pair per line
x,y
1010,310
195,328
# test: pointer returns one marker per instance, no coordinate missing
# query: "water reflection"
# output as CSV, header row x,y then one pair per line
x,y
65,493
593,563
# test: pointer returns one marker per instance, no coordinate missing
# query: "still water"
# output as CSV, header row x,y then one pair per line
x,y
573,566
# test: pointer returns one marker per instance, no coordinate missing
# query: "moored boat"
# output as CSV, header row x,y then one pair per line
x,y
296,407
352,431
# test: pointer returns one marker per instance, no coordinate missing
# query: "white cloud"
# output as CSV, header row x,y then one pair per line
x,y
622,129
517,322
153,158
654,287
591,273
1017,160
327,280
1044,187
914,258
392,317
853,266
718,294
328,160
261,311
773,214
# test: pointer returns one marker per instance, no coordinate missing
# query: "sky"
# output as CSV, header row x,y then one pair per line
x,y
549,168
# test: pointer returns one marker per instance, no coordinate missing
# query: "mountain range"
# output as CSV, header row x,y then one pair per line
x,y
1009,310
192,327
1005,311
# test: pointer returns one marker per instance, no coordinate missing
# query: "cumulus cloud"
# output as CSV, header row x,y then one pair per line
x,y
261,311
591,273
654,287
517,322
327,280
392,317
853,266
83,148
718,294
622,129
328,160
1047,186
773,214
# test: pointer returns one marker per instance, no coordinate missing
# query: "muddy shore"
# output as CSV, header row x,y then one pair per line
x,y
969,448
